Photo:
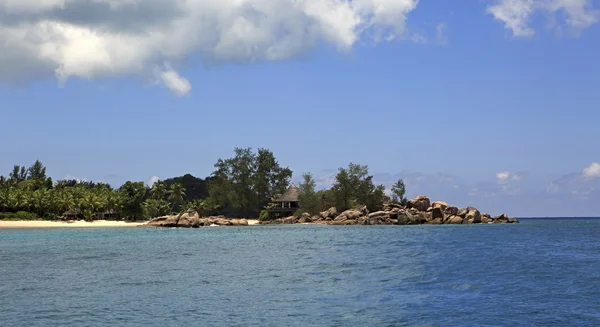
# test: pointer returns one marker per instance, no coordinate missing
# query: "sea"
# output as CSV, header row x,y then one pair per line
x,y
541,272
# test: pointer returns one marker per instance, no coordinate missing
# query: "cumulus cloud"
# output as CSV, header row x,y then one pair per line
x,y
592,171
174,82
504,177
94,39
152,181
516,14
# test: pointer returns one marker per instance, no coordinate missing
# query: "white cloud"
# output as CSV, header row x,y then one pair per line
x,y
592,171
152,180
94,39
503,177
442,38
173,81
69,177
516,14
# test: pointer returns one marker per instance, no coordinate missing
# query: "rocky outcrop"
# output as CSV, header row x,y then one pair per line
x,y
329,213
420,203
191,219
418,211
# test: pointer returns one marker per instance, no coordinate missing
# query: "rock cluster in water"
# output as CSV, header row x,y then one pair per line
x,y
191,219
418,211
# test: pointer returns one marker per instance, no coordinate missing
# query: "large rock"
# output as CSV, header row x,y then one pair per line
x,y
462,212
473,216
222,221
158,221
485,218
379,218
440,204
437,213
436,221
329,213
389,206
289,220
171,221
504,219
189,220
349,214
403,218
239,222
420,203
454,220
451,211
305,218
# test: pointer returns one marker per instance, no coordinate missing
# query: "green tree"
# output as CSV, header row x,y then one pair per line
x,y
269,177
398,192
309,201
131,196
354,186
158,190
176,195
18,174
37,171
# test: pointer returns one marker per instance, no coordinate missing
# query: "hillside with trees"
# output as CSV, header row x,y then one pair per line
x,y
240,186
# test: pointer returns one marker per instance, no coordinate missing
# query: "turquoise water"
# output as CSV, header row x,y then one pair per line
x,y
537,273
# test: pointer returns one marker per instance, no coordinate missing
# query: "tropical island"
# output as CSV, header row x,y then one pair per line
x,y
245,189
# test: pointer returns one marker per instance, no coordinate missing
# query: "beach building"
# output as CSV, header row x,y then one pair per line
x,y
287,204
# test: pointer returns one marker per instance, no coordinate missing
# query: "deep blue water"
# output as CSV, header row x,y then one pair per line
x,y
537,273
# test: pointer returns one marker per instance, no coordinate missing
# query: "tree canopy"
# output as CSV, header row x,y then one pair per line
x,y
240,186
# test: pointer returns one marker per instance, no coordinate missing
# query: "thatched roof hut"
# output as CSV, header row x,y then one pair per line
x,y
292,194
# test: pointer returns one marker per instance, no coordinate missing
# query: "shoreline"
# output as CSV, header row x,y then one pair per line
x,y
6,224
67,224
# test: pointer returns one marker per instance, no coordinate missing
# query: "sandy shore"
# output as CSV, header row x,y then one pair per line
x,y
74,224
78,224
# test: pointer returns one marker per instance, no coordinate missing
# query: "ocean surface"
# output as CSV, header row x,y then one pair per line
x,y
537,273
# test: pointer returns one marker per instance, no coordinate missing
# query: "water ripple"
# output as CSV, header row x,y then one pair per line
x,y
531,274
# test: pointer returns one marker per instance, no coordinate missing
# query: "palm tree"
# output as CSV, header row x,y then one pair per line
x,y
5,196
39,202
176,194
159,190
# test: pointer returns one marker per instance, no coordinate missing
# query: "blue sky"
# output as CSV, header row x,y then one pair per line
x,y
492,104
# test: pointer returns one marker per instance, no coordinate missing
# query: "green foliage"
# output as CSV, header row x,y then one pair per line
x,y
132,195
20,215
309,201
354,187
176,195
202,206
264,215
398,192
157,207
244,184
195,188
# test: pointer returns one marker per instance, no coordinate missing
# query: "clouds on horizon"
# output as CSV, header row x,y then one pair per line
x,y
517,14
150,39
520,194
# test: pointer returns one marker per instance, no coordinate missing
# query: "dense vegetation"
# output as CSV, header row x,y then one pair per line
x,y
240,186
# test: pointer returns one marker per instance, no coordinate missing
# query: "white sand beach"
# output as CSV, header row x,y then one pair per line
x,y
68,224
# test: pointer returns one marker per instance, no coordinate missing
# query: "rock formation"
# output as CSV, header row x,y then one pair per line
x,y
419,210
191,219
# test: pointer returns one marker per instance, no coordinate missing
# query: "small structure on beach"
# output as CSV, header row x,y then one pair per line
x,y
71,215
287,204
109,214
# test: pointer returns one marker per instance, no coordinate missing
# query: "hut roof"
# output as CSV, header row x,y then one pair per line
x,y
292,194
